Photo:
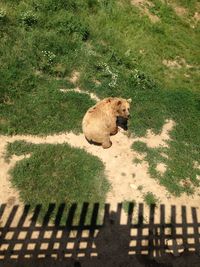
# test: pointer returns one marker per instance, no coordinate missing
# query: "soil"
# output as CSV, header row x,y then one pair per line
x,y
74,77
177,63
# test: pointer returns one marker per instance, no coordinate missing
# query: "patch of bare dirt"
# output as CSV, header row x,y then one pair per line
x,y
161,167
180,11
78,90
171,63
186,183
74,77
177,63
144,6
3,121
197,16
196,165
185,14
152,140
97,82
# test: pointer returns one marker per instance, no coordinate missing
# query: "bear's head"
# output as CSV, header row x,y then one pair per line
x,y
123,107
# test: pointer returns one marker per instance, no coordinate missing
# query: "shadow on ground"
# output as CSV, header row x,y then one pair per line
x,y
25,241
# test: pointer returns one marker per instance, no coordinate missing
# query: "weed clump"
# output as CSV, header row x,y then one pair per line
x,y
28,18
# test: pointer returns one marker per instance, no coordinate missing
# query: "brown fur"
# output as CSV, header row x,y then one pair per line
x,y
99,121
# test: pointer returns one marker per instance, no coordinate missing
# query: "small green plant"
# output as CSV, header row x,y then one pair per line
x,y
28,18
71,25
3,15
49,56
114,76
140,187
47,60
150,198
137,161
126,204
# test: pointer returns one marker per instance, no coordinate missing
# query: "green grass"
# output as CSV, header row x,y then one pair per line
x,y
180,166
126,205
44,112
150,199
53,175
42,42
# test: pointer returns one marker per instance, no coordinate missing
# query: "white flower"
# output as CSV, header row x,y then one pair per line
x,y
114,76
2,13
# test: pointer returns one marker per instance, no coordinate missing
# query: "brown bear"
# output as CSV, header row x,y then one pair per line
x,y
100,121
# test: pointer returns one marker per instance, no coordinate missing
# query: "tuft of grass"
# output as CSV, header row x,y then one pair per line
x,y
133,175
140,187
150,198
28,18
3,15
137,161
126,204
57,174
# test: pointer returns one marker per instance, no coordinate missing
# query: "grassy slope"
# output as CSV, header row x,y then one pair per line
x,y
103,40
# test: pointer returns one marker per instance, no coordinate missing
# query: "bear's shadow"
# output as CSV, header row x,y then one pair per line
x,y
93,143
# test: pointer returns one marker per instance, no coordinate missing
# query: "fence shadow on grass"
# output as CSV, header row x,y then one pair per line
x,y
35,240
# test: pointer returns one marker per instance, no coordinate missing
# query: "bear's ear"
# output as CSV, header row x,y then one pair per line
x,y
129,100
119,102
